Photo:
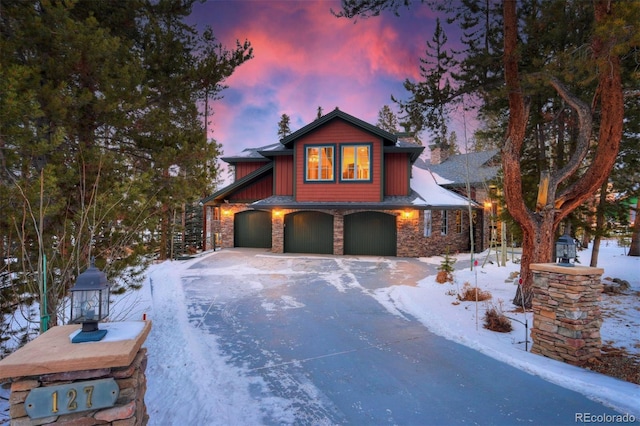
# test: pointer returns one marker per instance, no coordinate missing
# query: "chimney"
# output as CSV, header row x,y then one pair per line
x,y
438,155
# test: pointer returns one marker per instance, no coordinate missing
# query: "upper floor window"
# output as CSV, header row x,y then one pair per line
x,y
356,162
319,161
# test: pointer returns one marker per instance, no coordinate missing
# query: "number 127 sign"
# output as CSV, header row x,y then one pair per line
x,y
71,398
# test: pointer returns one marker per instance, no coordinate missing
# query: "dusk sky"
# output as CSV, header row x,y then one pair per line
x,y
304,57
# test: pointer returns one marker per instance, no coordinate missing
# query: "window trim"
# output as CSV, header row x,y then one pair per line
x,y
355,145
306,163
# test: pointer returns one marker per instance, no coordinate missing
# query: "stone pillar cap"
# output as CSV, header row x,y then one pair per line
x,y
53,352
567,270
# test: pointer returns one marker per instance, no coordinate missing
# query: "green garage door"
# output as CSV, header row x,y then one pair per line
x,y
308,232
370,233
252,228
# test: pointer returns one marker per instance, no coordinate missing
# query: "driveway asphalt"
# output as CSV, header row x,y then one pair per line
x,y
308,329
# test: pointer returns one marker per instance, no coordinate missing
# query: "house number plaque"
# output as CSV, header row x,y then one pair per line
x,y
71,398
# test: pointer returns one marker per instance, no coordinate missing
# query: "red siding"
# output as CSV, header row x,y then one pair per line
x,y
338,132
243,169
284,175
396,175
257,191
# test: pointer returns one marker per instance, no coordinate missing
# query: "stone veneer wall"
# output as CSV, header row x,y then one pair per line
x,y
566,312
227,213
129,409
411,241
414,244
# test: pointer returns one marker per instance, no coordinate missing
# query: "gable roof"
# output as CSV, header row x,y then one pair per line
x,y
388,138
431,194
390,141
477,167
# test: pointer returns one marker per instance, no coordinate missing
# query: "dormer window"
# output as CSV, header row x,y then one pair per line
x,y
356,162
319,163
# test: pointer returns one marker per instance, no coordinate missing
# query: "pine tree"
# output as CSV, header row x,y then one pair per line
x,y
387,120
561,62
430,99
283,126
101,135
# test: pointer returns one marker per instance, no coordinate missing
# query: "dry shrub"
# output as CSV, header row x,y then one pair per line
x,y
495,320
443,277
472,294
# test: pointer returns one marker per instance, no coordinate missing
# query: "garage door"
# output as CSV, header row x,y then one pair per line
x,y
370,233
308,232
252,228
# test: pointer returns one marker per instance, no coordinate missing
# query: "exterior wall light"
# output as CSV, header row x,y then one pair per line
x,y
565,250
407,214
90,304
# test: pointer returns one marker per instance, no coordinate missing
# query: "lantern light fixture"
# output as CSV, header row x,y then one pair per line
x,y
565,250
90,304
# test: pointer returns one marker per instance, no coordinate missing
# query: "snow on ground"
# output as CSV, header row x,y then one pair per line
x,y
176,355
179,351
436,306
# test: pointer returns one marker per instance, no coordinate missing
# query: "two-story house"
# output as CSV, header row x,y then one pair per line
x,y
338,186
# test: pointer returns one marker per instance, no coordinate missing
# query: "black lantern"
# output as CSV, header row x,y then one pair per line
x,y
90,304
565,250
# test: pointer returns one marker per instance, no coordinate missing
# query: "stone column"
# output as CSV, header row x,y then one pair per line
x,y
277,230
54,381
566,312
338,233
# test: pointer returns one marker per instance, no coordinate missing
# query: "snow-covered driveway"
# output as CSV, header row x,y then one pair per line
x,y
306,343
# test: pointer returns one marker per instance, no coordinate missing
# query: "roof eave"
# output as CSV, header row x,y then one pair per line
x,y
222,193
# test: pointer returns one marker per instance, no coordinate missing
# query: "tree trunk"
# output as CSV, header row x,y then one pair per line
x,y
599,224
539,227
537,247
634,249
164,232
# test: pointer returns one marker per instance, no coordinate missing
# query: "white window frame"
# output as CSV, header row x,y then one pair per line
x,y
444,222
428,223
321,148
361,173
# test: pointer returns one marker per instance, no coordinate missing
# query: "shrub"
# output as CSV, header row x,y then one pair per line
x,y
472,294
445,270
495,320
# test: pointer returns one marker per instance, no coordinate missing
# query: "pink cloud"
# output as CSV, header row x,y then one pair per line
x,y
305,58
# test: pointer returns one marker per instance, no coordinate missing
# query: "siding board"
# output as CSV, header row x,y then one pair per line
x,y
396,174
284,175
257,191
337,133
244,168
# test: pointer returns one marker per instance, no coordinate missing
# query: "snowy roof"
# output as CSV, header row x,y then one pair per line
x,y
477,167
253,154
433,195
